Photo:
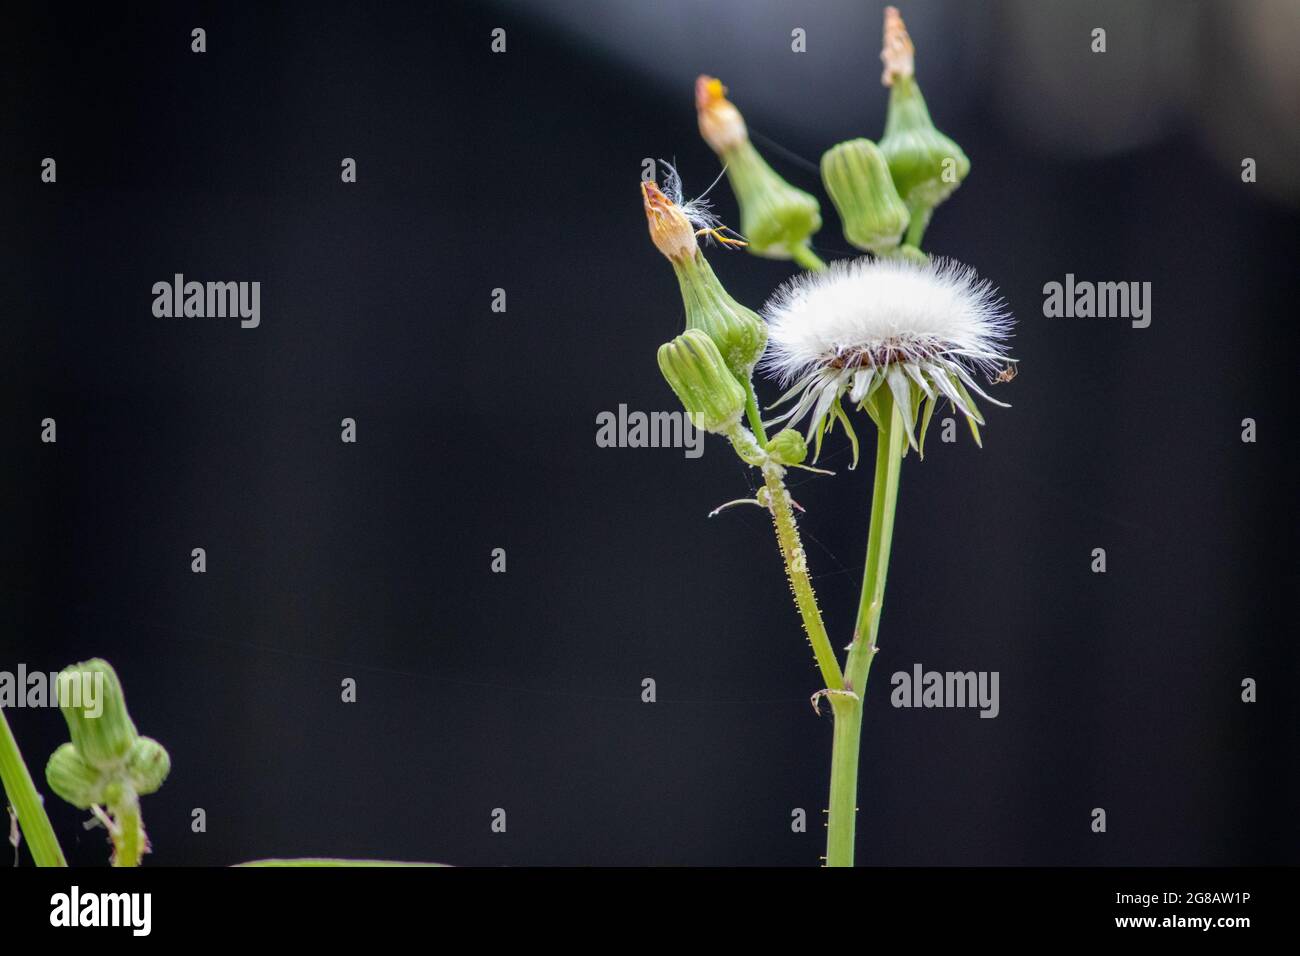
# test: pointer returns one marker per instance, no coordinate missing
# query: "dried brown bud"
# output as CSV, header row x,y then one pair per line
x,y
897,52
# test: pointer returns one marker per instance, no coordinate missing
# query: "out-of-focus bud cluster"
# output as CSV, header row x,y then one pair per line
x,y
105,752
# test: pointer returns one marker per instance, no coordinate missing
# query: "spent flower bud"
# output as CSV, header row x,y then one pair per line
x,y
775,217
738,332
670,229
925,164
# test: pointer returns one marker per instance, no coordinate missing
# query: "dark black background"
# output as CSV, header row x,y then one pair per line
x,y
476,431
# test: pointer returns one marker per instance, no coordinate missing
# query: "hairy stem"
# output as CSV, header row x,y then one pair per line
x,y
890,446
26,801
805,257
796,569
129,841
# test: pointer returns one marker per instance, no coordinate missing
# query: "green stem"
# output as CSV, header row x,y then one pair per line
x,y
841,816
916,227
129,842
890,446
805,257
26,801
796,569
753,414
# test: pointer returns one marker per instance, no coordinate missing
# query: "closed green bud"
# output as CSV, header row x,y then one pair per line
x,y
739,333
775,218
90,697
857,176
788,447
925,164
695,370
73,779
147,765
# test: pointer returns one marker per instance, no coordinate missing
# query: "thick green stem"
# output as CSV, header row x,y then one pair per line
x,y
890,446
841,816
805,257
796,569
26,801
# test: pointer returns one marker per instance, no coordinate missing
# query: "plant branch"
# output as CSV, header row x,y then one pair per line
x,y
796,569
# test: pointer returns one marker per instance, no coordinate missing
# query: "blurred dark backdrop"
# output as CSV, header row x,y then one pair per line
x,y
477,431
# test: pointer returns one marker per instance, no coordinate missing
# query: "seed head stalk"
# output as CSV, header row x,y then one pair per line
x,y
890,447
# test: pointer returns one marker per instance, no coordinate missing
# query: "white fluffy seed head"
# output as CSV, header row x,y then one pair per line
x,y
866,313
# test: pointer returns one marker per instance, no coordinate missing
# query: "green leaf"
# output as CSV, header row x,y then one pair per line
x,y
925,424
838,411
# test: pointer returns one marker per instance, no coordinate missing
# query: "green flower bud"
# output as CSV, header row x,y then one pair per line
x,y
708,391
788,447
856,175
739,333
775,217
90,697
147,765
73,779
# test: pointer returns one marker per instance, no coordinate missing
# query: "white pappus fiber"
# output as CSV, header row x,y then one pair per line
x,y
870,323
870,312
